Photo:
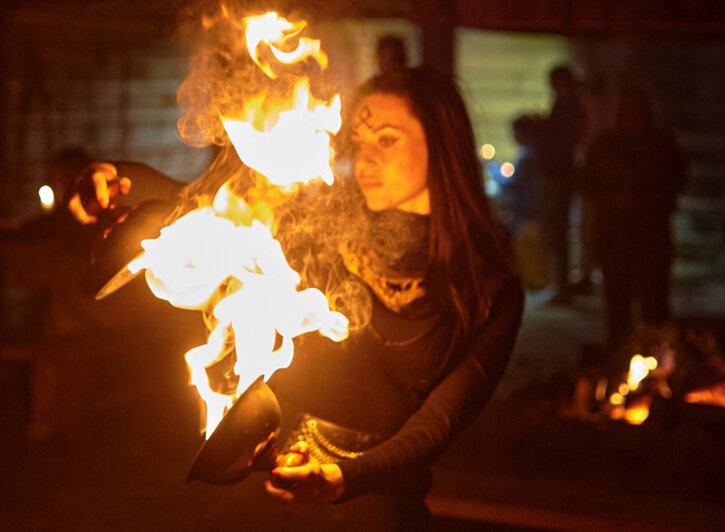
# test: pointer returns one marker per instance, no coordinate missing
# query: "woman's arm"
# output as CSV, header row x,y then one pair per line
x,y
450,408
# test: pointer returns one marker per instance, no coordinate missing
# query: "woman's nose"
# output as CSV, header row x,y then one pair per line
x,y
365,154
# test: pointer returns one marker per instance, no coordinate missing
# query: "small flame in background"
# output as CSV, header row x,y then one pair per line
x,y
633,408
223,259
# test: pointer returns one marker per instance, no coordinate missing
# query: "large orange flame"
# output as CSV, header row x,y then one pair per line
x,y
222,259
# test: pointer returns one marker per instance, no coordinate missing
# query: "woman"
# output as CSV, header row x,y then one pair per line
x,y
444,310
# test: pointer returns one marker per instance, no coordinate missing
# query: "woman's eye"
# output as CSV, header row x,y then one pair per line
x,y
387,141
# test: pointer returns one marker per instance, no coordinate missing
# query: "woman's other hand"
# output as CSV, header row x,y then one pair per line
x,y
100,180
308,483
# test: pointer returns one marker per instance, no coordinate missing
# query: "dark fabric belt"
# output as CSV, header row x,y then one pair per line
x,y
329,442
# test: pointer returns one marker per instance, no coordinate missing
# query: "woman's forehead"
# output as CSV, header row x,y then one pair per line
x,y
377,111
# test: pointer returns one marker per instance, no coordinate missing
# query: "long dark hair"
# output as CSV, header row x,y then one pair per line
x,y
464,246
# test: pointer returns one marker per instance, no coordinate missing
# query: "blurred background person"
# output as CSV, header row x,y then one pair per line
x,y
561,133
632,177
522,206
521,192
391,54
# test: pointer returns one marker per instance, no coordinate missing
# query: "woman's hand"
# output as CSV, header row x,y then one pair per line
x,y
97,177
308,483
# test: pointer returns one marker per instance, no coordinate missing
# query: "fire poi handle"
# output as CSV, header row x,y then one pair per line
x,y
244,440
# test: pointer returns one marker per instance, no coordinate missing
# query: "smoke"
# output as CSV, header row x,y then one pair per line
x,y
312,222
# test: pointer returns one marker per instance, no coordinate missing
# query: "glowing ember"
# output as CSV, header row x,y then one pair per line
x,y
47,198
709,395
223,259
634,411
638,410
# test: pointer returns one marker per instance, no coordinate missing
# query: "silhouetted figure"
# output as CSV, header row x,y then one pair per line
x,y
560,134
521,192
633,175
391,54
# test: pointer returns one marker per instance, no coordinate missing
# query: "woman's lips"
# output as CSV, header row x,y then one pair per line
x,y
366,184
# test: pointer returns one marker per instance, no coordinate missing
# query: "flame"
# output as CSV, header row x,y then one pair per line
x,y
276,33
639,368
636,411
223,259
47,198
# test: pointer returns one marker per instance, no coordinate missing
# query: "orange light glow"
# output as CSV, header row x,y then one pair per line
x,y
487,151
616,399
638,410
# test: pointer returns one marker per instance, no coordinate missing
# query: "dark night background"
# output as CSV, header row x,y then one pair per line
x,y
98,421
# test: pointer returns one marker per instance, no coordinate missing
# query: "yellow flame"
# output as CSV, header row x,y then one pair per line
x,y
487,151
616,398
223,259
639,368
276,33
47,197
204,250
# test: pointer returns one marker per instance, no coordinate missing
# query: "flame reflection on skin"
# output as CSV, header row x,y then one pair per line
x,y
222,258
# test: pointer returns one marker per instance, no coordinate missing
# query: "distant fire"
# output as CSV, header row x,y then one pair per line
x,y
222,258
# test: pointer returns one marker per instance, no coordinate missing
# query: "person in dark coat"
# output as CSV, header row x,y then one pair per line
x,y
561,133
632,177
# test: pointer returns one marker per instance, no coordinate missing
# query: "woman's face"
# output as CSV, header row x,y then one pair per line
x,y
391,155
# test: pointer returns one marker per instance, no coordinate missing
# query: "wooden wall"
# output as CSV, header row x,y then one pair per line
x,y
100,77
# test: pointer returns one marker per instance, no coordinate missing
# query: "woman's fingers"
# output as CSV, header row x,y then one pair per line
x,y
281,495
79,213
125,183
309,483
97,177
101,173
295,474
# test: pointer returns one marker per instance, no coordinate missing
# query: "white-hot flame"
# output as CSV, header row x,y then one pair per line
x,y
276,33
204,253
639,368
223,260
297,147
637,411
